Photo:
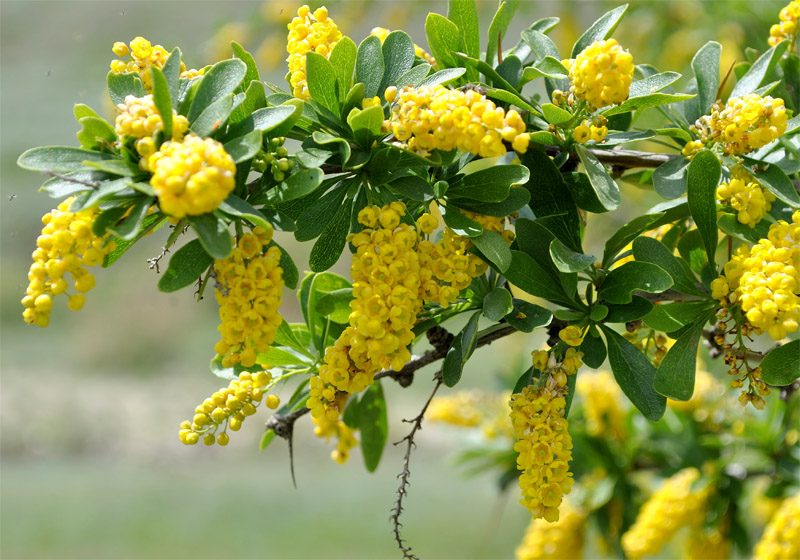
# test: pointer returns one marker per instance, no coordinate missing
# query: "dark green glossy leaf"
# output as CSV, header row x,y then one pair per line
x,y
583,193
130,226
172,73
675,376
758,72
321,78
151,223
162,100
443,39
634,374
414,76
213,235
556,115
267,119
58,159
517,198
525,273
343,59
373,424
652,84
460,350
213,117
706,69
314,218
336,305
775,180
600,29
370,66
628,233
492,245
670,179
703,177
605,187
298,184
443,77
245,147
252,70
624,312
489,185
621,282
671,317
497,304
594,350
217,83
526,317
567,260
464,14
413,187
185,267
647,249
782,365
646,101
731,225
398,57
290,273
331,242
235,206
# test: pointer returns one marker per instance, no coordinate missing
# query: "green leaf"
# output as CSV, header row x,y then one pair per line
x,y
217,83
492,75
652,84
594,349
634,374
58,159
489,185
162,100
645,101
314,218
525,273
691,248
494,248
252,69
336,305
279,357
600,29
95,132
254,99
343,58
464,14
369,120
541,45
245,147
413,187
298,184
151,223
775,181
398,57
675,376
517,199
671,317
731,225
625,312
497,29
213,117
122,85
81,110
621,282
511,98
172,72
290,274
107,218
72,183
459,223
583,193
703,177
374,426
185,267
235,206
213,235
443,39
628,233
442,77
130,226
647,249
497,304
321,78
266,119
567,260
370,66
759,70
556,115
605,187
414,76
331,242
782,365
266,439
460,350
549,67
706,69
670,179
526,317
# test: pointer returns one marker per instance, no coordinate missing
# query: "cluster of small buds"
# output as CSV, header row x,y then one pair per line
x,y
765,280
386,283
381,33
66,245
654,345
249,289
706,405
781,538
543,441
671,507
562,539
327,428
787,28
601,401
438,118
191,177
588,130
308,32
747,196
742,125
138,117
227,409
473,409
276,157
708,543
601,74
143,55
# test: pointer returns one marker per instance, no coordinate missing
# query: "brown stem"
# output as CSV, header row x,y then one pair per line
x,y
626,159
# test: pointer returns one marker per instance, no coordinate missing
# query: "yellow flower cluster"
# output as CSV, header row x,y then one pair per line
x,y
765,280
600,398
438,118
144,55
249,290
707,544
386,284
572,335
139,118
589,131
671,507
381,33
327,428
747,196
471,409
66,245
559,540
781,538
191,177
227,408
787,28
308,32
601,74
744,124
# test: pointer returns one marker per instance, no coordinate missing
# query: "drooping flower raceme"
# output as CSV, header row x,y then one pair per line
x,y
787,28
601,74
562,539
191,177
742,125
747,196
308,32
781,538
66,247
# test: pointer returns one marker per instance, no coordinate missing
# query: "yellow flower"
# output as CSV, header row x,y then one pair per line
x,y
600,398
572,335
787,28
308,32
747,196
144,55
561,539
601,74
744,124
191,177
781,538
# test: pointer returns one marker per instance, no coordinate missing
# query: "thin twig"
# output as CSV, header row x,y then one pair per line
x,y
404,475
153,261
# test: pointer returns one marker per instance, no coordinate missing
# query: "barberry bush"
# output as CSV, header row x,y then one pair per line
x,y
460,180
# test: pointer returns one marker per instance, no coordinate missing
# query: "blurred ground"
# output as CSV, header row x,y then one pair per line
x,y
91,463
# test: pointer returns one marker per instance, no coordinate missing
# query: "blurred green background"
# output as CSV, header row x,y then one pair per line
x,y
91,462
